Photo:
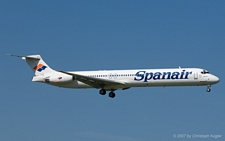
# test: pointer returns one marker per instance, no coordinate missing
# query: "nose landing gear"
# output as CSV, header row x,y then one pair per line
x,y
208,88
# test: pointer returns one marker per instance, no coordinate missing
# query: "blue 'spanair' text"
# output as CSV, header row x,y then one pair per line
x,y
143,75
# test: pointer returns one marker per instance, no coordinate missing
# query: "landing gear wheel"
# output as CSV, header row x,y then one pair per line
x,y
112,94
208,88
102,91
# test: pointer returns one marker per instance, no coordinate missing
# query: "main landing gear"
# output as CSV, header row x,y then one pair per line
x,y
208,88
111,94
102,91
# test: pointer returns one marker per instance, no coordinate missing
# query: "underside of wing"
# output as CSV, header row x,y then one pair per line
x,y
95,82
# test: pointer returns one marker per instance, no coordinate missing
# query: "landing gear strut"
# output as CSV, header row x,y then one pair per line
x,y
208,88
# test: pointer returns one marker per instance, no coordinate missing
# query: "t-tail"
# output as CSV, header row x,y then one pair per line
x,y
43,73
37,64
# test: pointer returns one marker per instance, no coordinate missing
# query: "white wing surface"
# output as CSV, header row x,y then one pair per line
x,y
95,82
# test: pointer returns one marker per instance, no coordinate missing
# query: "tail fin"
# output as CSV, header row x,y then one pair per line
x,y
37,64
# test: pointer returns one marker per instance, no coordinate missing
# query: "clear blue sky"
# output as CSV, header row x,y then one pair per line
x,y
95,35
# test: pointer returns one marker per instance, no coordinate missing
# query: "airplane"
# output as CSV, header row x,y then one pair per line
x,y
111,80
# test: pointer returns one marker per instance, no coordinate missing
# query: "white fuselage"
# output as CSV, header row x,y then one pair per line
x,y
145,78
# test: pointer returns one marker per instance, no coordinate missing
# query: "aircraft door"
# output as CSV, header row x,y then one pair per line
x,y
195,75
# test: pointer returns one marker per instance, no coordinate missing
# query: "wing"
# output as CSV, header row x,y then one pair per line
x,y
94,82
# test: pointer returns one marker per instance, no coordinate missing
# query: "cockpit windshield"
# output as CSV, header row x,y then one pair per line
x,y
204,72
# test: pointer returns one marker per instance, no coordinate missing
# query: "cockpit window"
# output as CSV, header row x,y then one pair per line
x,y
204,72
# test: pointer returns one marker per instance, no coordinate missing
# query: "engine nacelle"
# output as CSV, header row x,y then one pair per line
x,y
59,79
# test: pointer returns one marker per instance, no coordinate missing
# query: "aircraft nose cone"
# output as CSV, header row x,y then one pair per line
x,y
216,79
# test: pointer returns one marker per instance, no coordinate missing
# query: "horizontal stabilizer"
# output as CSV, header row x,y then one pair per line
x,y
34,57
